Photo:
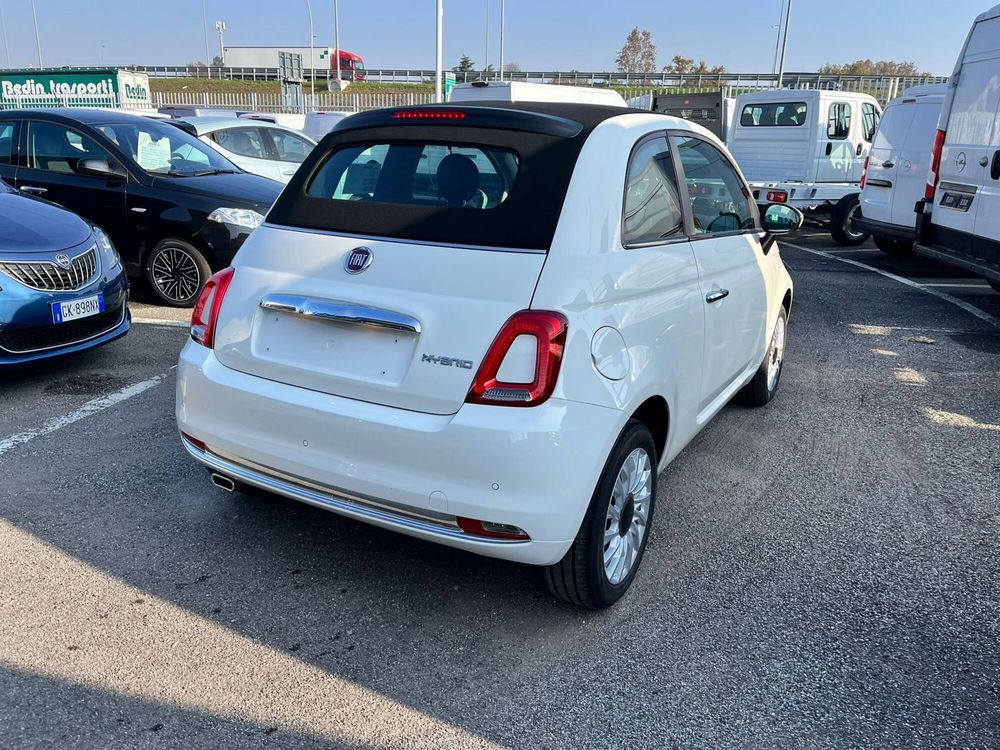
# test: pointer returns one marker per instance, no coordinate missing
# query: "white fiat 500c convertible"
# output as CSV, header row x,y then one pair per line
x,y
489,325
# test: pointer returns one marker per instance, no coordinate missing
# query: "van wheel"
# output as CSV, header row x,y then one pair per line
x,y
176,271
994,284
841,220
600,566
764,385
895,248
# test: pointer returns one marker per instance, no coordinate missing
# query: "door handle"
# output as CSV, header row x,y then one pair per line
x,y
858,152
888,165
33,189
829,148
313,308
716,294
995,167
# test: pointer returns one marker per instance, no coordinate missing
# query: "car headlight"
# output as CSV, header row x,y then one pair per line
x,y
111,258
237,217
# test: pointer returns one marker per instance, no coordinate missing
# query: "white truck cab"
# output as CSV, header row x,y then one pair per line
x,y
807,148
960,215
896,172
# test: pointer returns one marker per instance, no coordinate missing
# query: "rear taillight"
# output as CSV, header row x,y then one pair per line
x,y
777,196
206,312
527,382
864,172
935,171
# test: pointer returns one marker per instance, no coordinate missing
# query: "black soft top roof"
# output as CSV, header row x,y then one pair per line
x,y
546,136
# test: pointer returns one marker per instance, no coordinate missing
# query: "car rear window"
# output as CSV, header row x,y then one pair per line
x,y
469,185
786,114
463,176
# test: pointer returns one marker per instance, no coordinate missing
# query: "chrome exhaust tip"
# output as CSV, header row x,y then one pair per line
x,y
223,482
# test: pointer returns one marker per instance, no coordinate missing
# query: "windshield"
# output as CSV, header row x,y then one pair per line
x,y
164,149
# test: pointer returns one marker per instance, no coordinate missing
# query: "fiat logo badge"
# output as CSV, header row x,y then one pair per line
x,y
63,261
358,260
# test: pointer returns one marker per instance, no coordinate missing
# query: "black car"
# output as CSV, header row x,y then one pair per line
x,y
175,208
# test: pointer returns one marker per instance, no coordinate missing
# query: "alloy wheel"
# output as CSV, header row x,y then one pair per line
x,y
776,354
626,523
175,274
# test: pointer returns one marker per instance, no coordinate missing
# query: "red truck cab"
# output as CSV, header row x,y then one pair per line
x,y
352,67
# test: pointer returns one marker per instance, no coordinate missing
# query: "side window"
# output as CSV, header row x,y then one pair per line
x,y
56,148
652,208
6,143
720,201
242,141
869,120
290,147
838,122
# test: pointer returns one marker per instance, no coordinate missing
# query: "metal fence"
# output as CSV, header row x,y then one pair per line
x,y
752,81
267,102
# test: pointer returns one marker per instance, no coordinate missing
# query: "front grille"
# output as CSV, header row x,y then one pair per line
x,y
38,338
47,276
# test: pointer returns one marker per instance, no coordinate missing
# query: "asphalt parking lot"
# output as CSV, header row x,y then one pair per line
x,y
823,572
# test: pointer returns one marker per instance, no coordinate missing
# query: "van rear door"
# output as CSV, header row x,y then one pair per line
x,y
878,196
965,188
913,160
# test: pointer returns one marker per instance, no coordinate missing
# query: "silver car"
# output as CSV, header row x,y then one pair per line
x,y
255,146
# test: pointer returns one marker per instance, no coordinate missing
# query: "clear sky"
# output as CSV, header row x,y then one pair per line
x,y
541,34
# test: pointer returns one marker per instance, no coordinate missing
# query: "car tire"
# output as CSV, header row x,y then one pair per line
x,y
766,380
624,499
895,248
841,216
176,271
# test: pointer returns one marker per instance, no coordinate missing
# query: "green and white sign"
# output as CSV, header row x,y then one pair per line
x,y
81,87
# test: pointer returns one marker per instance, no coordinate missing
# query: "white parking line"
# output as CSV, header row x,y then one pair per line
x,y
162,322
970,285
971,309
91,407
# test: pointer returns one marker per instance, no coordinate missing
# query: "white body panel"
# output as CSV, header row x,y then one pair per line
x,y
798,152
522,91
900,156
378,424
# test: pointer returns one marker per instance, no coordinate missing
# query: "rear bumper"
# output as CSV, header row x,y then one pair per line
x,y
410,472
882,229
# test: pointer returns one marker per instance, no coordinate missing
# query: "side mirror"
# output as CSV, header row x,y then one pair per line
x,y
99,167
781,219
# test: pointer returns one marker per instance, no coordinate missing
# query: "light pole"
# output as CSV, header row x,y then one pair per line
x,y
38,38
439,68
204,32
312,44
336,37
486,65
3,33
220,26
100,54
784,44
503,20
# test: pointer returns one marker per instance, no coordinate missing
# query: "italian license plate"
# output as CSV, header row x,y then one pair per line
x,y
63,312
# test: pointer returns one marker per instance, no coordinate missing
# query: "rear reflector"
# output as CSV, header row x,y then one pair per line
x,y
195,442
777,196
206,312
935,171
548,329
491,530
428,114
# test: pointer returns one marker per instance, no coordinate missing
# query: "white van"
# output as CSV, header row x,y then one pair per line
x,y
960,220
896,170
807,148
522,91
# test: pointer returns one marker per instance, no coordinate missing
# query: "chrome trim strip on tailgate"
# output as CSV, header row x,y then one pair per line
x,y
339,312
335,500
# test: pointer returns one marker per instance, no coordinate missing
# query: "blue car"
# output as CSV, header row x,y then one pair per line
x,y
62,285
